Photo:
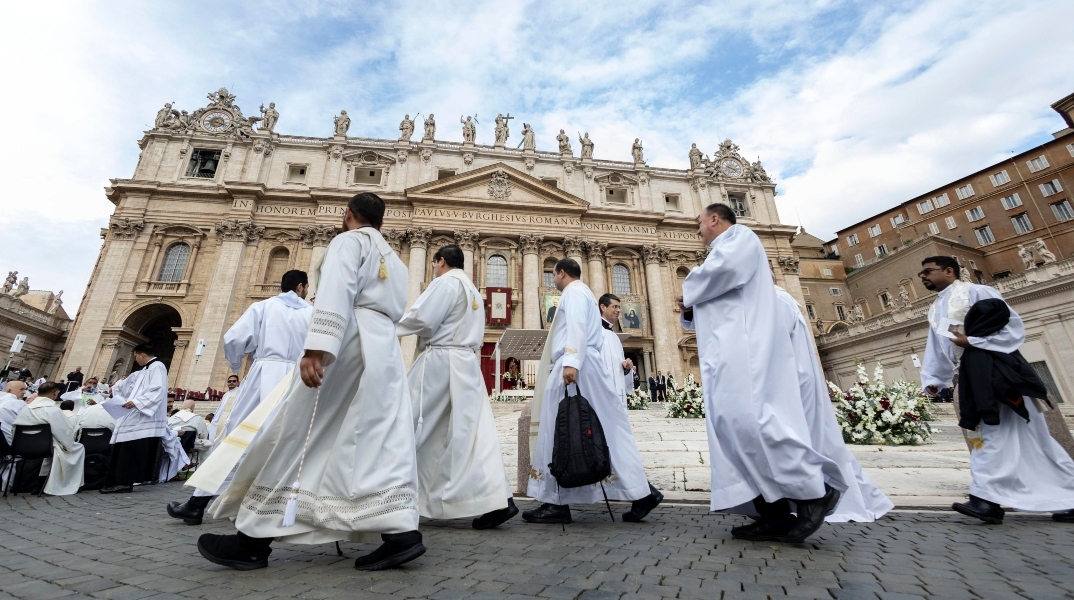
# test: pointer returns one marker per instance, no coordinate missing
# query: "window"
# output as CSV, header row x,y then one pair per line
x,y
203,164
1021,223
810,311
1001,275
924,207
805,291
975,214
897,220
549,279
835,249
835,291
617,196
874,230
934,229
1037,164
827,272
950,222
1051,188
965,191
984,235
620,279
858,260
496,271
842,310
445,173
941,200
881,250
1062,211
737,202
550,181
368,176
1012,201
852,239
1000,178
296,173
1070,149
174,264
278,261
671,202
885,300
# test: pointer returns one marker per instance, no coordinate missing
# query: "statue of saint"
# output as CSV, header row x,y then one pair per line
x,y
9,283
637,152
164,115
564,143
406,128
503,129
56,303
695,157
905,297
1026,254
1043,252
23,289
269,116
529,139
587,145
469,131
858,315
342,123
430,129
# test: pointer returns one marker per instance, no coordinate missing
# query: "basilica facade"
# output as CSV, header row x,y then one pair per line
x,y
220,205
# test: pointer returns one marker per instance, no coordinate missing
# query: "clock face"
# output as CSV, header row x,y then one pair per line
x,y
216,121
731,167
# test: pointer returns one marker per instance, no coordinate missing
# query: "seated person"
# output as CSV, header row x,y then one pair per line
x,y
64,469
68,409
94,416
185,419
11,404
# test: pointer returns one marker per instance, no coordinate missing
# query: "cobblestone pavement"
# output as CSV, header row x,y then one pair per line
x,y
126,547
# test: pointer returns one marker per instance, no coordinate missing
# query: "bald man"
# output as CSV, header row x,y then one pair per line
x,y
11,404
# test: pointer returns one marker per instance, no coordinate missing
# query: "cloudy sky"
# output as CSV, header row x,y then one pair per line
x,y
852,106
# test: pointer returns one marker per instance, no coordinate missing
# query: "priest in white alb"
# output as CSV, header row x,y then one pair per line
x,y
620,367
11,404
223,411
460,465
271,332
1014,461
572,355
337,462
65,468
760,446
85,395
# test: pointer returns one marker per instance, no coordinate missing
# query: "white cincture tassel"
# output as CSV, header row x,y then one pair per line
x,y
417,432
291,510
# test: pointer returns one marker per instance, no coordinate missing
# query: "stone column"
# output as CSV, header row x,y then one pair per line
x,y
316,237
573,247
93,315
419,244
663,344
233,236
595,253
531,281
467,240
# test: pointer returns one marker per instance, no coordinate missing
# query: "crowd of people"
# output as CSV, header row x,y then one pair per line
x,y
330,438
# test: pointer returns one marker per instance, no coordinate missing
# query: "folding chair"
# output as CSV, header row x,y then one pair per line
x,y
31,442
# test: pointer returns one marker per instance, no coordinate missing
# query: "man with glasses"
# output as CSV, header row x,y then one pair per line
x,y
1013,459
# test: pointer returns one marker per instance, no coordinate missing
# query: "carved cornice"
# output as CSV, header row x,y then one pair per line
x,y
467,240
702,254
654,254
595,250
233,230
573,245
418,237
789,264
531,244
394,237
125,229
317,235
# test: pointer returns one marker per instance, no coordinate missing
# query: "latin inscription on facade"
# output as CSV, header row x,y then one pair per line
x,y
490,217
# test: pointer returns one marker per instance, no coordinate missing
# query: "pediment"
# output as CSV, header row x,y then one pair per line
x,y
496,184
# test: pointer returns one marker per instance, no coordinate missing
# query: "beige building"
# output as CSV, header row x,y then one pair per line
x,y
216,211
824,287
39,315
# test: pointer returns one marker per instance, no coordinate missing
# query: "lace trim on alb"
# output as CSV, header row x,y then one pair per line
x,y
328,323
314,508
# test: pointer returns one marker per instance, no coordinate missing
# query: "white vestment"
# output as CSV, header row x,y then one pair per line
x,y
148,389
862,501
359,475
65,468
186,420
1019,465
94,417
460,465
759,439
81,399
10,407
221,416
575,341
612,355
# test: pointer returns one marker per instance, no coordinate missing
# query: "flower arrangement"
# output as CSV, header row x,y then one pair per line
x,y
687,401
638,399
874,412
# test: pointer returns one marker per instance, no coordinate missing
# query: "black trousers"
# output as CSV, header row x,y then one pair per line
x,y
133,462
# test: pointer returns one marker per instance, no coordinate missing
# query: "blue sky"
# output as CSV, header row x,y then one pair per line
x,y
852,106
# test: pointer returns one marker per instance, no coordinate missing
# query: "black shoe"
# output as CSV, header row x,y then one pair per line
x,y
189,514
548,513
989,512
811,515
1067,516
496,518
639,509
764,530
117,489
398,548
229,551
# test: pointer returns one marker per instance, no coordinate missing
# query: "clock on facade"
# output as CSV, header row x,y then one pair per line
x,y
216,121
731,167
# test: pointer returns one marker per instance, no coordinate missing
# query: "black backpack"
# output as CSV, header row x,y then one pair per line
x,y
579,449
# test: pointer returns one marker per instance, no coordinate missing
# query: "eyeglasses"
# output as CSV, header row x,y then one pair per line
x,y
925,272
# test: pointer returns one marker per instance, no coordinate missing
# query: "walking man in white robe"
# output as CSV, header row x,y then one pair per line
x,y
620,367
572,355
862,502
271,332
460,465
759,441
1015,463
141,403
65,468
338,460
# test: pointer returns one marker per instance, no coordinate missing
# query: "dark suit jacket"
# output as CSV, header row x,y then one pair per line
x,y
662,382
652,382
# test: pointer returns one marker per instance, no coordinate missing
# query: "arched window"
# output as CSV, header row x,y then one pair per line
x,y
174,264
680,277
277,265
548,276
496,271
621,279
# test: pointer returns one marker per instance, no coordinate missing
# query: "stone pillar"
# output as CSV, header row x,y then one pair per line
x,y
531,281
663,344
316,237
96,307
595,253
573,247
233,236
419,244
467,240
